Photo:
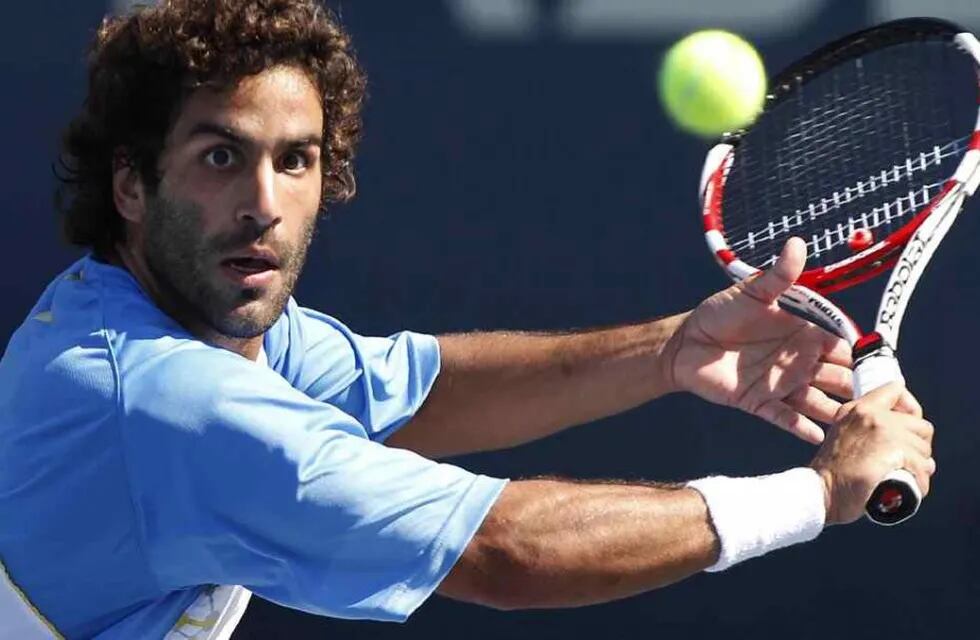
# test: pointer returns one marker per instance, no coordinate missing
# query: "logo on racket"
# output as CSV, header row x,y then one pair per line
x,y
892,298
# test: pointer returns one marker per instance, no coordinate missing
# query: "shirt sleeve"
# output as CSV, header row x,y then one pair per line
x,y
380,382
238,478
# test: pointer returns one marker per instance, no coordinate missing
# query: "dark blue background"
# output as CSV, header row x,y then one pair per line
x,y
533,182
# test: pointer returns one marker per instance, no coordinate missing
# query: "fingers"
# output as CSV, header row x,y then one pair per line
x,y
917,440
814,403
903,409
787,418
921,428
922,467
870,439
912,432
914,435
886,396
920,461
767,287
835,379
908,404
836,350
893,396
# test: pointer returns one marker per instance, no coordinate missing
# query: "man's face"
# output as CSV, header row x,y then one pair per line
x,y
226,234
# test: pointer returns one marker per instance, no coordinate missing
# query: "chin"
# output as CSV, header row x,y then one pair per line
x,y
248,320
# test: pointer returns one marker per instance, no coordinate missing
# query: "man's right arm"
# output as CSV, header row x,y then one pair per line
x,y
551,543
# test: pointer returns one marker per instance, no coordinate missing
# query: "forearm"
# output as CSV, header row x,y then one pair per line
x,y
550,543
502,389
560,544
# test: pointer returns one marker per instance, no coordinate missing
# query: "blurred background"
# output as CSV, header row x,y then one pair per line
x,y
517,157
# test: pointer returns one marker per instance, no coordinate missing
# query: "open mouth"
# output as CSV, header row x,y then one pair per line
x,y
249,265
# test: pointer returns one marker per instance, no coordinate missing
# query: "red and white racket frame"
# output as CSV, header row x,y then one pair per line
x,y
908,250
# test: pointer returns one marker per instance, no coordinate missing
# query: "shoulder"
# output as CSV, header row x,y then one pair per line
x,y
169,378
307,347
322,357
60,355
302,331
299,329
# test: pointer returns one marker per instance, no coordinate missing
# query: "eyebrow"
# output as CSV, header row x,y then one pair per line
x,y
222,131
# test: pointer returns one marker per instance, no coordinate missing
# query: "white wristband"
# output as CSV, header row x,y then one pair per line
x,y
753,516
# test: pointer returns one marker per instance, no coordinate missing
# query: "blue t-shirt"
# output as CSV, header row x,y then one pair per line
x,y
138,465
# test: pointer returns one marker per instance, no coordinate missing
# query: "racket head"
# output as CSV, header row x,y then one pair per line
x,y
857,145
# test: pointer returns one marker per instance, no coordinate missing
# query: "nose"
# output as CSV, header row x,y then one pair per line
x,y
261,208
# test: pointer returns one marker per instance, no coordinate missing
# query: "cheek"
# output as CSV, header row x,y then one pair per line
x,y
212,214
307,190
303,202
210,199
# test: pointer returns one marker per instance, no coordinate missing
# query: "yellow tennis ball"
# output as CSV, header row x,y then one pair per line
x,y
712,82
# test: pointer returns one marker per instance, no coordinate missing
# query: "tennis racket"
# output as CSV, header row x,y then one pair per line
x,y
867,149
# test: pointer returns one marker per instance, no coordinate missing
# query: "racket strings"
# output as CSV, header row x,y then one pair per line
x,y
831,236
860,147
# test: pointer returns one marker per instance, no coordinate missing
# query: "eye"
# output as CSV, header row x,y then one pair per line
x,y
220,157
295,162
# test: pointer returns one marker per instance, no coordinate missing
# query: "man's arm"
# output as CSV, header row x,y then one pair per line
x,y
551,543
738,348
498,390
548,543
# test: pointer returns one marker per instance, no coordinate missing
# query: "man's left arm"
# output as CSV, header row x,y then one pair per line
x,y
502,389
737,348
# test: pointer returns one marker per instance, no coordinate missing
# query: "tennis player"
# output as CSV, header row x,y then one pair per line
x,y
176,432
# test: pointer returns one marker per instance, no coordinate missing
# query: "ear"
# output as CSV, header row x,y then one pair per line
x,y
127,190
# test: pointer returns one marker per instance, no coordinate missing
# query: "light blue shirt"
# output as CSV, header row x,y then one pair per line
x,y
138,464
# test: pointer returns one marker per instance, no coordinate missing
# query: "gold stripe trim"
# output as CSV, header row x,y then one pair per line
x,y
23,596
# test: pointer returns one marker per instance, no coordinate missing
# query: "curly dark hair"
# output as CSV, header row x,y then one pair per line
x,y
143,66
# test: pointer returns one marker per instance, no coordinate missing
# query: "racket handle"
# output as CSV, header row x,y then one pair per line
x,y
897,497
894,500
875,370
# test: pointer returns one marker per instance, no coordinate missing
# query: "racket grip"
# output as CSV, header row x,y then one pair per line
x,y
897,496
875,371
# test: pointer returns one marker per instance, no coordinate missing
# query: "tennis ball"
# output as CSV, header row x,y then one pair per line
x,y
712,82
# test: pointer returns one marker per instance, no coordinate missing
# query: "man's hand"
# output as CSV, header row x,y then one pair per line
x,y
869,440
738,348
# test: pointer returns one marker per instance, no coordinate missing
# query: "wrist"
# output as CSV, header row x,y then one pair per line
x,y
673,328
753,516
827,479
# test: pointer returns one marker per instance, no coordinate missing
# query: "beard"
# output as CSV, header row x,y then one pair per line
x,y
186,264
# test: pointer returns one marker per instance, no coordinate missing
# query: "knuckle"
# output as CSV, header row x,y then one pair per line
x,y
916,408
924,484
863,412
896,458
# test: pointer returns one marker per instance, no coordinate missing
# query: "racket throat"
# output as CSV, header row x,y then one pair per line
x,y
870,344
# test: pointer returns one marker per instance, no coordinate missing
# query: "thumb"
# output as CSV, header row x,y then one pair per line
x,y
888,396
908,404
774,281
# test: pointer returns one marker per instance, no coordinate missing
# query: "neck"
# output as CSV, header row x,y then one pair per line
x,y
135,263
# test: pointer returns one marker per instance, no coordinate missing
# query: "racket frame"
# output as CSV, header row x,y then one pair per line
x,y
907,251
